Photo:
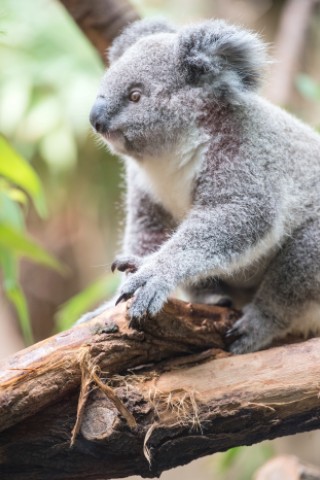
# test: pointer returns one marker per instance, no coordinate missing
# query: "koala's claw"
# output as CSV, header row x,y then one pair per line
x,y
113,266
224,302
123,298
251,332
233,332
243,337
123,267
128,264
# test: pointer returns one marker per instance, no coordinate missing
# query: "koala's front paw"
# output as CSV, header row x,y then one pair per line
x,y
150,291
127,263
251,332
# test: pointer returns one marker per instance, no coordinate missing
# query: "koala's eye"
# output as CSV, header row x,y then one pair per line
x,y
134,96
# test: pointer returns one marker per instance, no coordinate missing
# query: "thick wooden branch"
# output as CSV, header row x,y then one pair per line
x,y
101,20
184,404
47,371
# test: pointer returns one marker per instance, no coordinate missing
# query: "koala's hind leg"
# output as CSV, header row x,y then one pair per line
x,y
210,291
289,291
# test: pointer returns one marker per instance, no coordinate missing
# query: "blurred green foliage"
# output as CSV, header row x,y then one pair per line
x,y
48,82
16,172
308,87
242,462
72,310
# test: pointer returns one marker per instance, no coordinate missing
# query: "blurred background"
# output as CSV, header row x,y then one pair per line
x,y
70,221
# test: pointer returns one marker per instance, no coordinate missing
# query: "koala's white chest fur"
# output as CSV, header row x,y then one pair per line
x,y
169,178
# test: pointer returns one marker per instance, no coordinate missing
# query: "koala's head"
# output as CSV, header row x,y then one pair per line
x,y
160,78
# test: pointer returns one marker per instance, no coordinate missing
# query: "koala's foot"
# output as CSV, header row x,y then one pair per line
x,y
150,291
253,331
127,263
290,284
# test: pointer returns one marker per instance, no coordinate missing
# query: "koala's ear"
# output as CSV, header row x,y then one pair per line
x,y
134,32
228,58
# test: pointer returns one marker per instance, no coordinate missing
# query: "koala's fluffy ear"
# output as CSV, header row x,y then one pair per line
x,y
229,58
134,32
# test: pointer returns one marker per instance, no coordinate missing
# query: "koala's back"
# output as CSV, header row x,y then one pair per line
x,y
294,145
259,150
289,152
259,145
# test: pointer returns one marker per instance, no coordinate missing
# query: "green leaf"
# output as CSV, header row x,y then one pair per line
x,y
10,213
15,194
14,293
17,170
18,196
15,241
72,310
16,296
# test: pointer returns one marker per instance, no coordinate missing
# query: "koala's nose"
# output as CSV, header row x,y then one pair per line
x,y
98,115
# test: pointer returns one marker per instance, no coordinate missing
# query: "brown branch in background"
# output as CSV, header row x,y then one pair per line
x,y
289,47
101,20
287,467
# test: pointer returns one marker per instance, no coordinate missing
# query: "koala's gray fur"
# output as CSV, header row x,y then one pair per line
x,y
223,188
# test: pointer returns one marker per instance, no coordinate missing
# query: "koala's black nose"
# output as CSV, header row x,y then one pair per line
x,y
98,115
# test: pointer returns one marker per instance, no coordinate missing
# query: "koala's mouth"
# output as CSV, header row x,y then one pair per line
x,y
112,135
116,140
119,142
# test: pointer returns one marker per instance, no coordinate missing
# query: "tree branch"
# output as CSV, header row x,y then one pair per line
x,y
47,371
289,46
182,407
101,20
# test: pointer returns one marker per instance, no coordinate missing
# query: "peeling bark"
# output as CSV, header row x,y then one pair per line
x,y
45,372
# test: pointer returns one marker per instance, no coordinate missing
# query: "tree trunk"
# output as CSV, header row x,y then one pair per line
x,y
289,47
101,20
140,410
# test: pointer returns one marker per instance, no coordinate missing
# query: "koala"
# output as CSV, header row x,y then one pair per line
x,y
223,188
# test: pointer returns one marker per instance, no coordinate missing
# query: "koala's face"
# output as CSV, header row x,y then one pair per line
x,y
160,79
136,108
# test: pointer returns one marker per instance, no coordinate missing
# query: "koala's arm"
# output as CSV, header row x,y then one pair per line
x,y
219,234
215,239
147,227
